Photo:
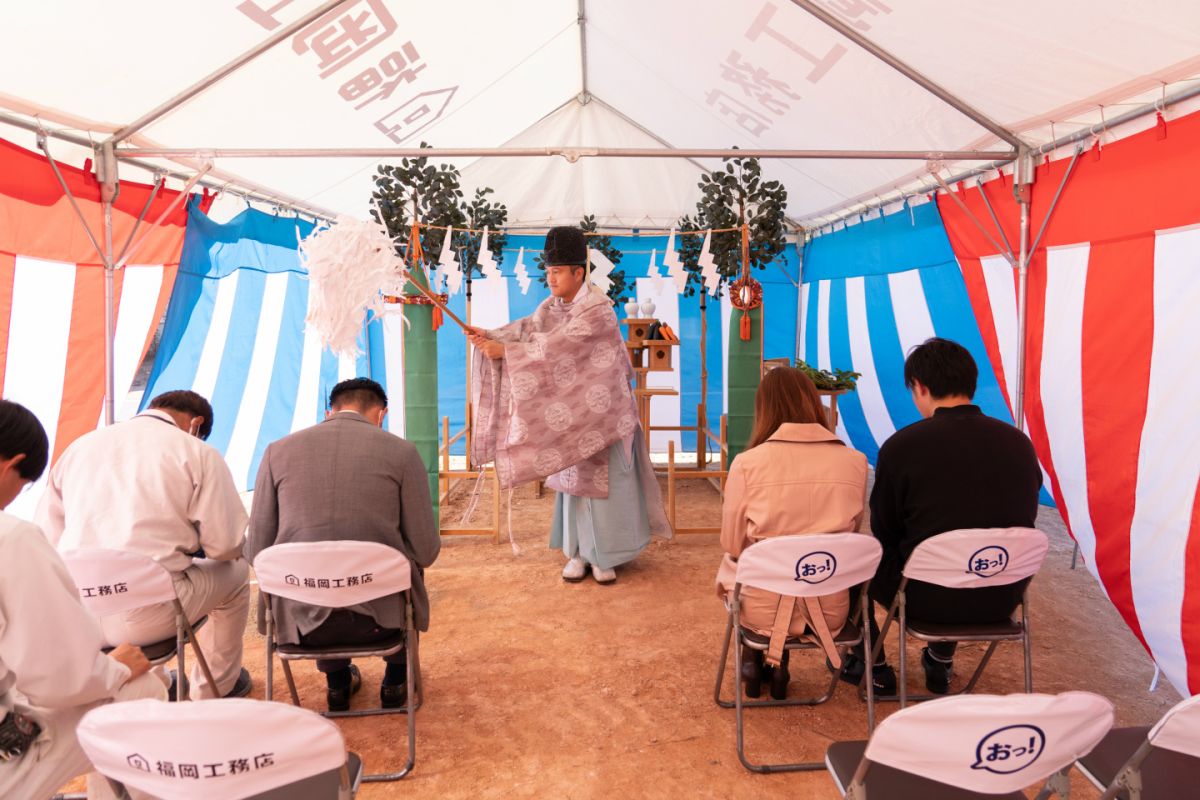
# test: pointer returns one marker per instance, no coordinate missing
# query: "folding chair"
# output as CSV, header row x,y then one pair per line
x,y
1156,763
338,574
229,748
974,747
804,566
967,559
114,581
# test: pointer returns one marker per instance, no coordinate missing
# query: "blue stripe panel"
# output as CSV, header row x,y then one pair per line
x,y
377,352
812,314
235,359
887,352
189,316
895,243
329,379
285,375
953,318
849,406
362,364
452,370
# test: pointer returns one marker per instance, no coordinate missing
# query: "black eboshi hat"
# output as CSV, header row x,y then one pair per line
x,y
565,247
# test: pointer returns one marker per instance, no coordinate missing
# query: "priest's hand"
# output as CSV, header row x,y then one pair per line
x,y
477,336
492,350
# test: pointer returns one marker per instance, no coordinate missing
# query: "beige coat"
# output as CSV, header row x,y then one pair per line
x,y
801,480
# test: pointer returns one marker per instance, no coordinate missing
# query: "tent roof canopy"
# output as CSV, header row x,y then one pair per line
x,y
771,75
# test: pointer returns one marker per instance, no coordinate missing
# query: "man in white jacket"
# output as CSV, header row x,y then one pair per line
x,y
152,486
51,667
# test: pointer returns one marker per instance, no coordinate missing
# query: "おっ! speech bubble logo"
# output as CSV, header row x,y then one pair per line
x,y
1009,749
988,561
816,567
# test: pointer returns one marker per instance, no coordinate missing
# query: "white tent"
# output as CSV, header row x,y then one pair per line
x,y
768,75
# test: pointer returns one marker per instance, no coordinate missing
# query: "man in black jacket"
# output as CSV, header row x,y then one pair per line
x,y
956,468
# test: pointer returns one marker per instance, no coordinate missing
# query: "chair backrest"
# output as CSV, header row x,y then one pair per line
x,y
973,558
1179,729
809,565
112,581
989,743
334,574
227,748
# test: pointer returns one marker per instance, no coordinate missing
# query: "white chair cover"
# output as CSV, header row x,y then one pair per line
x,y
990,743
112,581
809,565
1179,729
970,559
228,748
332,574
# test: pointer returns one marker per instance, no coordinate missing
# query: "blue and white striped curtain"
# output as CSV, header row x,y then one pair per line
x,y
870,293
235,333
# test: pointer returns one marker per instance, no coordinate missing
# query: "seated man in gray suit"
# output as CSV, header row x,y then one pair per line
x,y
346,478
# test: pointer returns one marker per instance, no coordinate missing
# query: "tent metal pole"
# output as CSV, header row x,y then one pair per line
x,y
584,94
974,219
572,154
992,213
834,215
1054,203
983,120
1023,190
220,181
179,99
110,186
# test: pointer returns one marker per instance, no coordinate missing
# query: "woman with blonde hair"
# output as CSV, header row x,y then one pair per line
x,y
795,477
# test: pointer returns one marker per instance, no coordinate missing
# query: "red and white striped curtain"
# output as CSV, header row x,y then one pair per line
x,y
52,293
1112,382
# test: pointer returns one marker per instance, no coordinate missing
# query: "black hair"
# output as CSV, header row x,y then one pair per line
x,y
361,392
189,403
943,367
21,433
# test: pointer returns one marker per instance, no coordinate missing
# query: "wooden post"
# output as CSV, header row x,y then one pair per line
x,y
724,451
671,482
701,435
496,504
445,482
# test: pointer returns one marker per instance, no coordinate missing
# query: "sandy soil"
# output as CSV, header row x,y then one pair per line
x,y
537,688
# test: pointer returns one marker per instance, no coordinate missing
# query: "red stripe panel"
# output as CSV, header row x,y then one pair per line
x,y
1118,328
972,272
1035,411
1191,599
83,380
8,271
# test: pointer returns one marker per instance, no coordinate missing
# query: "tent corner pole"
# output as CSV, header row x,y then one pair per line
x,y
106,168
1022,191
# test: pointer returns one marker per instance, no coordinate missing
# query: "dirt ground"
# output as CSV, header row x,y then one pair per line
x,y
538,688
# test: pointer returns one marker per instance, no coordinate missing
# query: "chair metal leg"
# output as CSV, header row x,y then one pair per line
x,y
181,681
903,679
200,659
413,678
722,664
1027,640
983,662
291,682
866,626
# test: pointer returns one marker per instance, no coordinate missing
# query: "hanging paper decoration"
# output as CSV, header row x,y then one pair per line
x,y
708,266
745,294
522,272
656,279
601,268
674,264
487,264
350,265
446,265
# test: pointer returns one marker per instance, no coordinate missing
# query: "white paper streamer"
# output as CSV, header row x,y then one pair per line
x,y
523,279
675,265
446,264
601,269
656,278
708,266
350,265
487,264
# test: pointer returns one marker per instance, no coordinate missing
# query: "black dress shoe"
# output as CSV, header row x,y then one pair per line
x,y
884,677
752,672
393,696
338,697
780,679
937,673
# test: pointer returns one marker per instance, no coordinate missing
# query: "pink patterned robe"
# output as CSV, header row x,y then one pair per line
x,y
558,400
